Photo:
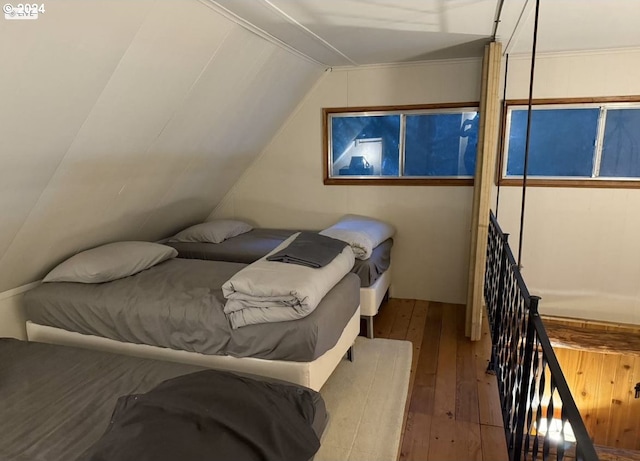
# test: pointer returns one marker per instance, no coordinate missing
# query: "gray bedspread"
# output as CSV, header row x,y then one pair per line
x,y
178,304
251,246
55,401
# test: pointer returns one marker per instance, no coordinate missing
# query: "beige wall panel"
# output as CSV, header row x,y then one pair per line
x,y
246,94
283,187
431,249
581,246
567,75
436,82
53,72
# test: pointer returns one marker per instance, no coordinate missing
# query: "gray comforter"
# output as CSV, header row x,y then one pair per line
x,y
178,304
56,401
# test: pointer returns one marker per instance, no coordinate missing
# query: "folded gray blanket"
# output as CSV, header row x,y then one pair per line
x,y
310,249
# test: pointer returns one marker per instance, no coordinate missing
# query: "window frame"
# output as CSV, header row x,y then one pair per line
x,y
416,109
610,102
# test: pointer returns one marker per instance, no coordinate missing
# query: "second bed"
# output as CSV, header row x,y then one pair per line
x,y
374,272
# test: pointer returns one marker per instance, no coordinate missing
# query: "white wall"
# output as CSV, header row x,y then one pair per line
x,y
581,249
128,122
284,186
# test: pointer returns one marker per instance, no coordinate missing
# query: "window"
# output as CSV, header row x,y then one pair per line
x,y
433,144
573,143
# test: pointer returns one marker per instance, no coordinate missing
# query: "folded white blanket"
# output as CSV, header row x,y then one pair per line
x,y
271,291
362,233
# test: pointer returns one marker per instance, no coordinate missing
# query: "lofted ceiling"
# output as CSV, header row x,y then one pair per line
x,y
133,122
360,32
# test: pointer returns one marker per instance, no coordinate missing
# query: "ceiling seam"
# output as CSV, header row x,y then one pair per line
x,y
293,21
258,31
518,27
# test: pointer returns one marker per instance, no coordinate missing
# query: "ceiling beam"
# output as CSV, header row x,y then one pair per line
x,y
315,36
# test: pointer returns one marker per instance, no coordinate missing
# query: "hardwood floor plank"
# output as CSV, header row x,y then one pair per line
x,y
454,440
443,412
466,381
586,390
487,384
631,421
620,399
602,414
489,410
423,395
415,334
445,393
428,361
482,348
415,444
383,321
494,443
404,310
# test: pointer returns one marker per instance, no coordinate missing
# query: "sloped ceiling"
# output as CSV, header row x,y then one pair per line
x,y
355,32
128,120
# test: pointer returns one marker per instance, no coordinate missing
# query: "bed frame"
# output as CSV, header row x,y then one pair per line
x,y
371,298
310,374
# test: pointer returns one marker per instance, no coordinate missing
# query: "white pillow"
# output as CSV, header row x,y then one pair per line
x,y
212,232
362,233
110,262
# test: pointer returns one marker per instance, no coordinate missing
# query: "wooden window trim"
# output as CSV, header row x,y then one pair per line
x,y
387,181
585,183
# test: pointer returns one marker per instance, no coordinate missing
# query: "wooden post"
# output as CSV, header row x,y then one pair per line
x,y
485,170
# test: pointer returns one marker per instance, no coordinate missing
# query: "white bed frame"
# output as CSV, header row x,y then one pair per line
x,y
310,374
371,298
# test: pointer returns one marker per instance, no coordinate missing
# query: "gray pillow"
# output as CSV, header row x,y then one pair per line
x,y
212,232
110,262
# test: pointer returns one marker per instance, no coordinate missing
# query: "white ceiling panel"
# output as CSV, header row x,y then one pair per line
x,y
266,18
355,32
339,32
473,17
573,25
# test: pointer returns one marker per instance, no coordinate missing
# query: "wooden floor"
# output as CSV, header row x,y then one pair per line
x,y
453,411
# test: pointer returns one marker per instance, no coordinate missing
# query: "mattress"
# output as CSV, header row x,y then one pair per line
x,y
56,401
253,245
179,304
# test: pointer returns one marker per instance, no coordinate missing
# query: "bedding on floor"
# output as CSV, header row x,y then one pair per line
x,y
272,291
179,304
253,245
57,401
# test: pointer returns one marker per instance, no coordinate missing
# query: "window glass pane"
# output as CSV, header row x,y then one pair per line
x,y
365,145
621,147
562,142
441,144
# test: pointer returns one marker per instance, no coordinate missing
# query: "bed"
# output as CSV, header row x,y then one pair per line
x,y
173,310
56,401
374,272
